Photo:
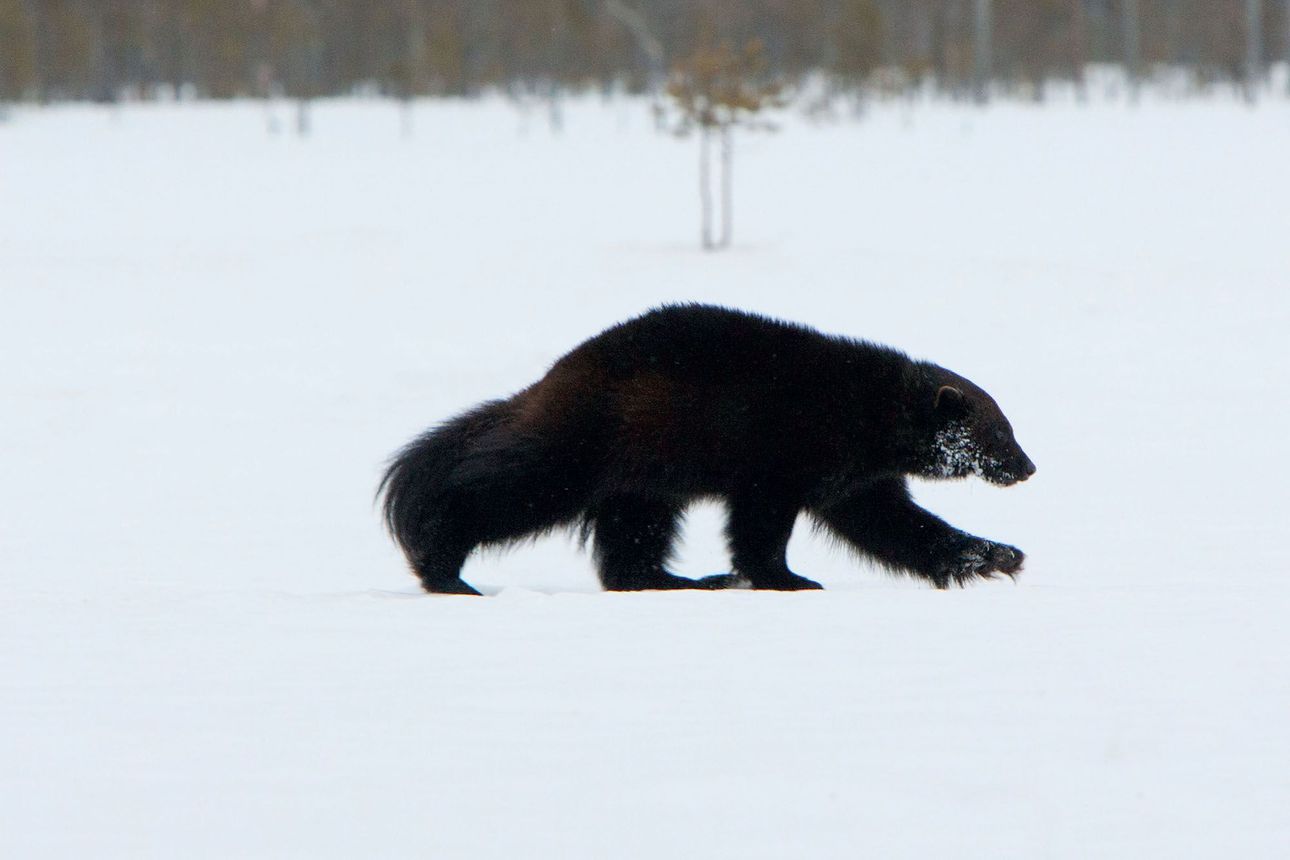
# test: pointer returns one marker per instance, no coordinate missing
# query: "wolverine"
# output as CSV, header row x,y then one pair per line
x,y
690,402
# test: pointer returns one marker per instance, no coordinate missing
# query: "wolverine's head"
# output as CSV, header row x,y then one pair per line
x,y
967,434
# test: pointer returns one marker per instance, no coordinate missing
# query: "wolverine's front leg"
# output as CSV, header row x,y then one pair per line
x,y
883,522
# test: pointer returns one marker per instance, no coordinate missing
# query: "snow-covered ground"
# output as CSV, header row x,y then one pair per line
x,y
211,337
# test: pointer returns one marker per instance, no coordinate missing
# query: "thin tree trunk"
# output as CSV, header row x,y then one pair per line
x,y
102,83
705,187
416,59
1253,48
1285,25
302,117
982,47
310,54
554,111
1079,49
40,49
727,189
1173,37
1132,47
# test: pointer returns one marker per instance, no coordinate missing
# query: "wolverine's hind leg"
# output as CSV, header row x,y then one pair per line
x,y
633,538
491,514
437,559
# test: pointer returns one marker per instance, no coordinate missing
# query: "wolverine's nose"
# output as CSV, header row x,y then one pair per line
x,y
1027,467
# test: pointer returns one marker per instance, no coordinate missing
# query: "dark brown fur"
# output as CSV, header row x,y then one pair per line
x,y
694,401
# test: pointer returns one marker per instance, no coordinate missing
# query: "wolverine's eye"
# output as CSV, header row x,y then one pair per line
x,y
1000,435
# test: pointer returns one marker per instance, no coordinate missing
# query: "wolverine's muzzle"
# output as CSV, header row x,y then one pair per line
x,y
1013,471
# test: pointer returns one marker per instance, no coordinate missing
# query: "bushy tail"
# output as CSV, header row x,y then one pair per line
x,y
420,474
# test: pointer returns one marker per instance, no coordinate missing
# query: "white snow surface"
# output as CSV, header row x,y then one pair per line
x,y
211,338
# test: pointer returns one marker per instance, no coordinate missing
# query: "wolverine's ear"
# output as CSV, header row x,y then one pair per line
x,y
950,401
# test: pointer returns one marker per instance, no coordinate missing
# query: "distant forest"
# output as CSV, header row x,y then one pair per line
x,y
108,50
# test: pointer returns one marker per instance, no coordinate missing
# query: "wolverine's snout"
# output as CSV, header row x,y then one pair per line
x,y
1027,467
1020,468
1011,471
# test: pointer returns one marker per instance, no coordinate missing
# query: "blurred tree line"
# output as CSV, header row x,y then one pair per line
x,y
106,50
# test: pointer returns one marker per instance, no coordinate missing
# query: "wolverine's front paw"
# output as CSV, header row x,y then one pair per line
x,y
979,559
